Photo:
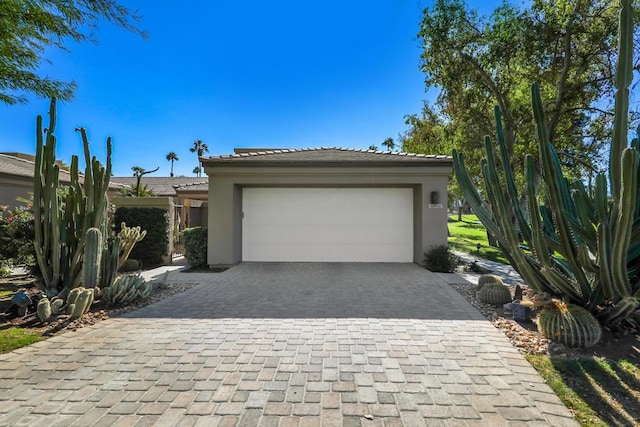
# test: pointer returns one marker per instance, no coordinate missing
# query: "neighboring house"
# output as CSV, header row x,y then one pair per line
x,y
189,195
325,205
16,178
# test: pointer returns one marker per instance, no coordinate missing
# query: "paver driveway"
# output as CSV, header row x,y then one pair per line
x,y
284,344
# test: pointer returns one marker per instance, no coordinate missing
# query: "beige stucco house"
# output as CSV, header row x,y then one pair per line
x,y
325,205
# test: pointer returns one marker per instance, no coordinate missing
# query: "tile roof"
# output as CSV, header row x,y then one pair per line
x,y
161,185
10,165
326,155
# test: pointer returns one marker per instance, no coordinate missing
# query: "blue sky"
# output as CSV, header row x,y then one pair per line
x,y
278,74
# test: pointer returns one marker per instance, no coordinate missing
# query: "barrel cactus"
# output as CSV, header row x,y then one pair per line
x,y
495,293
488,278
569,324
44,309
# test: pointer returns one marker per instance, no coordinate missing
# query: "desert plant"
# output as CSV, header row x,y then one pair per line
x,y
597,237
130,265
62,218
488,278
195,246
127,289
110,258
128,236
495,293
155,221
440,259
79,301
92,258
569,324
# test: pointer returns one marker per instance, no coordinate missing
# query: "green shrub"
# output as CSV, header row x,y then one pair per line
x,y
195,246
150,250
440,259
16,236
130,265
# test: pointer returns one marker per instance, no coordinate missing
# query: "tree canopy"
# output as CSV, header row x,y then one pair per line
x,y
29,27
567,46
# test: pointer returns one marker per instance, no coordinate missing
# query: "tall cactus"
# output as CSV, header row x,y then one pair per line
x,y
61,219
92,257
598,238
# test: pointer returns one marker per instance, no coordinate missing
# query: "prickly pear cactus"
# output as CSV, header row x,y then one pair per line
x,y
495,293
569,324
488,278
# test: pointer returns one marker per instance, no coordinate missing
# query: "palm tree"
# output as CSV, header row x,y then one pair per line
x,y
172,157
373,147
198,171
389,144
200,148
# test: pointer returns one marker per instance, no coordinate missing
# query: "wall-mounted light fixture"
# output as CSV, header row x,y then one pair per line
x,y
435,197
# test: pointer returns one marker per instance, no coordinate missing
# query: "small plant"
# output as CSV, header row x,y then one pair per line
x,y
440,259
495,293
130,265
195,246
127,289
568,324
488,278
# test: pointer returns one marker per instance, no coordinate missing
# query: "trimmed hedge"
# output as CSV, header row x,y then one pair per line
x,y
195,246
150,250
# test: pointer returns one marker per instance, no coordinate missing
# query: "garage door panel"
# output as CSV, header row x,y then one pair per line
x,y
328,224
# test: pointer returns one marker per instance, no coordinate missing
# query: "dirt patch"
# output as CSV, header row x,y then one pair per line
x,y
616,344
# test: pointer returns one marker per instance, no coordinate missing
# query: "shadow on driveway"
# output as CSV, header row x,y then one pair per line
x,y
315,290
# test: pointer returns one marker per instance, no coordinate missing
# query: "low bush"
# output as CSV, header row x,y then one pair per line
x,y
16,237
195,246
440,259
150,250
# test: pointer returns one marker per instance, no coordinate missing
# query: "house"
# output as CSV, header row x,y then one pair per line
x,y
16,178
189,195
325,205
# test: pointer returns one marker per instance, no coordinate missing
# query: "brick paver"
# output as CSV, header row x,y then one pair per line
x,y
284,344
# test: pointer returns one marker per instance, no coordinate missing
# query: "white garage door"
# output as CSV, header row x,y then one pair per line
x,y
327,224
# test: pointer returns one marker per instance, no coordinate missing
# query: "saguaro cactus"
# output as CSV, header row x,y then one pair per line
x,y
61,221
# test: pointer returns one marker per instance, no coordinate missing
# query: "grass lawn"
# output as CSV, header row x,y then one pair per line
x,y
465,235
14,338
598,391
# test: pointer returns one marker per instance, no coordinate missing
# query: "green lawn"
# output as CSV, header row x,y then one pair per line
x,y
14,338
465,235
598,391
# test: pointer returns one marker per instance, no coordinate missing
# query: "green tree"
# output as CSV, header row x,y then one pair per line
x,y
476,62
139,172
172,157
29,28
373,147
198,171
389,144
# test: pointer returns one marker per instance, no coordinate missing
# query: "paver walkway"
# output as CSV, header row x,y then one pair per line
x,y
299,344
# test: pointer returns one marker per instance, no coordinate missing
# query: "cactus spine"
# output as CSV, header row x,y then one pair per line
x,y
61,223
495,293
569,324
92,257
598,239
